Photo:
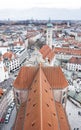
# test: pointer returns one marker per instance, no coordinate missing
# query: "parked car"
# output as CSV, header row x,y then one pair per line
x,y
9,110
79,113
12,105
7,118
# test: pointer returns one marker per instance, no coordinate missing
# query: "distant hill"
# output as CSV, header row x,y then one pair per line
x,y
41,13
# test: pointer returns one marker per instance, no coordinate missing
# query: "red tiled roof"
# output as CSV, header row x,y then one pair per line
x,y
1,91
75,60
54,75
62,117
47,52
8,55
20,117
50,55
68,39
40,108
65,45
40,112
68,51
32,33
25,77
19,42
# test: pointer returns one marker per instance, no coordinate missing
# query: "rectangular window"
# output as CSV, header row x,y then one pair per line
x,y
17,94
18,101
64,93
63,100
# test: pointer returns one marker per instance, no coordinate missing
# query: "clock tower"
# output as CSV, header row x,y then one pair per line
x,y
49,34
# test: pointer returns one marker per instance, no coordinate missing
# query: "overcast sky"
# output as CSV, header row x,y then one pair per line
x,y
24,4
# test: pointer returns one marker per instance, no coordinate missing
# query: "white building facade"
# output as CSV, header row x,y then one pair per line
x,y
12,65
22,54
3,72
78,37
74,64
75,67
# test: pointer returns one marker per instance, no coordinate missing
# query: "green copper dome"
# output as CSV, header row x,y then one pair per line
x,y
49,25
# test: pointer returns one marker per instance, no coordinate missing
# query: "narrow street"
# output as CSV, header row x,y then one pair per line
x,y
11,121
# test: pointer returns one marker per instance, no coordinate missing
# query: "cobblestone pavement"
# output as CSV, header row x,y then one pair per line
x,y
73,116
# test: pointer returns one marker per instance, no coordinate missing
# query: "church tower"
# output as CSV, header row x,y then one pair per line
x,y
49,34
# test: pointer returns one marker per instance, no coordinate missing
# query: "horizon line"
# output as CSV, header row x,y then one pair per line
x,y
40,8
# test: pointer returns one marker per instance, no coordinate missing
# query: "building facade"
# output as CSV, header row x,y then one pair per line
x,y
3,72
74,64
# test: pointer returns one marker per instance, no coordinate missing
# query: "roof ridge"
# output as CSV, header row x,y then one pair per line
x,y
40,69
40,100
40,110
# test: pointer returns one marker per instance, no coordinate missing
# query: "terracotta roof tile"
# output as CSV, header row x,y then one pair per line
x,y
40,110
32,33
18,125
68,51
8,55
47,52
55,77
18,43
64,125
75,60
51,55
25,77
1,91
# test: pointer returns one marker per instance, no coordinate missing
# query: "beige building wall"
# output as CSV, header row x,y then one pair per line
x,y
64,97
60,95
57,93
20,96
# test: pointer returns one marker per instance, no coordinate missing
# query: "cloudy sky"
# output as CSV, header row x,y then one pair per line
x,y
26,9
25,4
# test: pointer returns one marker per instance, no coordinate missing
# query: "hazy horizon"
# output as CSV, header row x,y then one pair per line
x,y
40,13
40,9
